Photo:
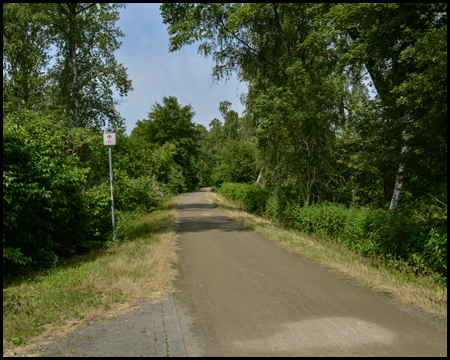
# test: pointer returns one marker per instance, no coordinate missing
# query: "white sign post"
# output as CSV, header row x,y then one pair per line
x,y
110,139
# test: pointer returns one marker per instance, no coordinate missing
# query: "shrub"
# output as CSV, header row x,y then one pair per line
x,y
220,175
253,197
274,208
98,206
132,193
417,240
176,182
42,194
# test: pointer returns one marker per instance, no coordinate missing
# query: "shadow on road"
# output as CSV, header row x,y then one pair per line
x,y
195,207
201,216
193,224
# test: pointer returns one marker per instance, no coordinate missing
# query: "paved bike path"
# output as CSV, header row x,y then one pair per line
x,y
241,295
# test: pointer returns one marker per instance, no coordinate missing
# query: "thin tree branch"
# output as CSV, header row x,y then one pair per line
x,y
247,45
436,199
85,8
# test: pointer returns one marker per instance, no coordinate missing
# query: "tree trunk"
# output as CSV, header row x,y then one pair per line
x,y
277,20
352,191
259,176
399,179
308,198
73,62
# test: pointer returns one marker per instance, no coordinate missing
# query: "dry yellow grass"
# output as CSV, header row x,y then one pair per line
x,y
420,292
140,267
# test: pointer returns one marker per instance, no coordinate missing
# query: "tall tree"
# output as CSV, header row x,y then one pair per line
x,y
26,42
231,120
384,37
170,122
283,49
86,69
293,87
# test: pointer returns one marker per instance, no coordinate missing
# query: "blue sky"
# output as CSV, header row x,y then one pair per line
x,y
156,73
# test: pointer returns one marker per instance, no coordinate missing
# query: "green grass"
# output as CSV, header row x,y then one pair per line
x,y
86,286
421,292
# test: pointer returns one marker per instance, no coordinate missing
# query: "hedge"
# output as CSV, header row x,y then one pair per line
x,y
252,197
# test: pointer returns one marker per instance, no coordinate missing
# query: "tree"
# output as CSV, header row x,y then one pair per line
x,y
80,82
216,140
293,87
26,42
170,122
86,38
386,38
240,161
294,54
231,120
295,134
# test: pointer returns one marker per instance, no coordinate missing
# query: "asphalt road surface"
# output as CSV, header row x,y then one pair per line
x,y
241,295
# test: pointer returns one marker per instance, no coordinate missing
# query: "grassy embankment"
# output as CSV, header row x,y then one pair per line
x,y
101,282
421,292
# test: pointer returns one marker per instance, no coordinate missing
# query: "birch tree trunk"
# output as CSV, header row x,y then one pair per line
x,y
399,179
73,62
259,176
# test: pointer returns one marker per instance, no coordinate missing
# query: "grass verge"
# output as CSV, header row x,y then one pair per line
x,y
420,292
101,282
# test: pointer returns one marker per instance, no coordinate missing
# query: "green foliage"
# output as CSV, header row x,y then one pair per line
x,y
220,175
171,123
56,191
308,66
42,188
25,54
310,128
80,81
253,197
86,38
206,160
229,149
389,39
416,239
98,205
241,160
131,193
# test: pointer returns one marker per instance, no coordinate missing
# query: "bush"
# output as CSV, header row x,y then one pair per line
x,y
132,193
98,206
56,191
42,194
176,182
220,175
416,239
274,208
253,197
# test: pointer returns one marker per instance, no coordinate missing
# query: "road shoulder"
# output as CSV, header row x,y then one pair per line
x,y
147,328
